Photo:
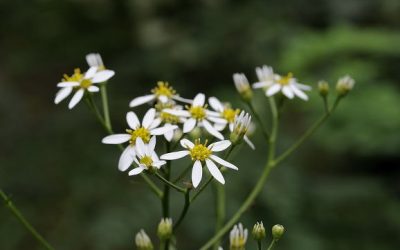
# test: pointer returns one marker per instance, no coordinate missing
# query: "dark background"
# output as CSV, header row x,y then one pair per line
x,y
340,191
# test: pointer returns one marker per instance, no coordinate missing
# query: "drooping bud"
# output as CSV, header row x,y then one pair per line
x,y
243,87
238,237
164,230
143,241
344,85
277,232
258,231
323,88
241,125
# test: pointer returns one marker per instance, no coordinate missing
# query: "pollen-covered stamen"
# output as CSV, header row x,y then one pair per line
x,y
85,83
169,118
147,161
200,151
197,112
75,77
230,114
141,132
164,89
285,80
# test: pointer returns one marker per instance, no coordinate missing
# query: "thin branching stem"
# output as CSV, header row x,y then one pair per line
x,y
176,187
184,210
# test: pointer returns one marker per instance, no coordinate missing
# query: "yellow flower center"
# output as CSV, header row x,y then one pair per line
x,y
197,112
77,76
141,132
285,79
230,114
200,151
147,161
85,83
163,88
169,118
239,243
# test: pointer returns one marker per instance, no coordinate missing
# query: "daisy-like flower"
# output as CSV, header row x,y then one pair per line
x,y
274,83
238,237
169,119
144,130
81,83
200,154
146,158
163,92
197,114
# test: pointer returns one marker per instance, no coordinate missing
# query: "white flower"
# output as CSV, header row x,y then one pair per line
x,y
197,114
146,158
149,127
163,93
169,119
274,83
200,154
81,83
229,116
238,237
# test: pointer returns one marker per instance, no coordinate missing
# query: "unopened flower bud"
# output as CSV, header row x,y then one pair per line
x,y
195,133
344,85
243,87
95,60
164,230
238,237
323,88
258,231
240,127
277,232
143,241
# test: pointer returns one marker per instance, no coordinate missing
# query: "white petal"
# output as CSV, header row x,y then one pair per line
x,y
158,164
175,155
126,158
62,94
303,86
140,147
197,173
219,146
287,91
212,113
132,120
155,123
163,98
103,76
163,130
169,135
220,126
215,171
189,125
67,84
217,120
90,73
250,143
148,118
152,144
76,98
141,100
223,162
93,89
299,93
136,171
199,100
212,130
116,139
259,85
180,99
176,112
273,89
215,104
186,143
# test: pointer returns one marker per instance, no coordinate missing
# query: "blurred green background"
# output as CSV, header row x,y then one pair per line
x,y
340,191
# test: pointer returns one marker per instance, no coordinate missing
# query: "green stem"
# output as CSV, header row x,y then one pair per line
x,y
308,133
183,174
259,120
92,106
165,200
271,246
177,188
24,222
184,210
152,186
106,111
219,209
259,244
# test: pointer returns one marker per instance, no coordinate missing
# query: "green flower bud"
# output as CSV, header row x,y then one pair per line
x,y
164,230
240,127
344,85
143,241
258,231
243,87
277,232
323,88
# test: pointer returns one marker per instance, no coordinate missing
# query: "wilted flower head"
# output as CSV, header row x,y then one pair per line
x,y
344,85
142,241
238,237
242,85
